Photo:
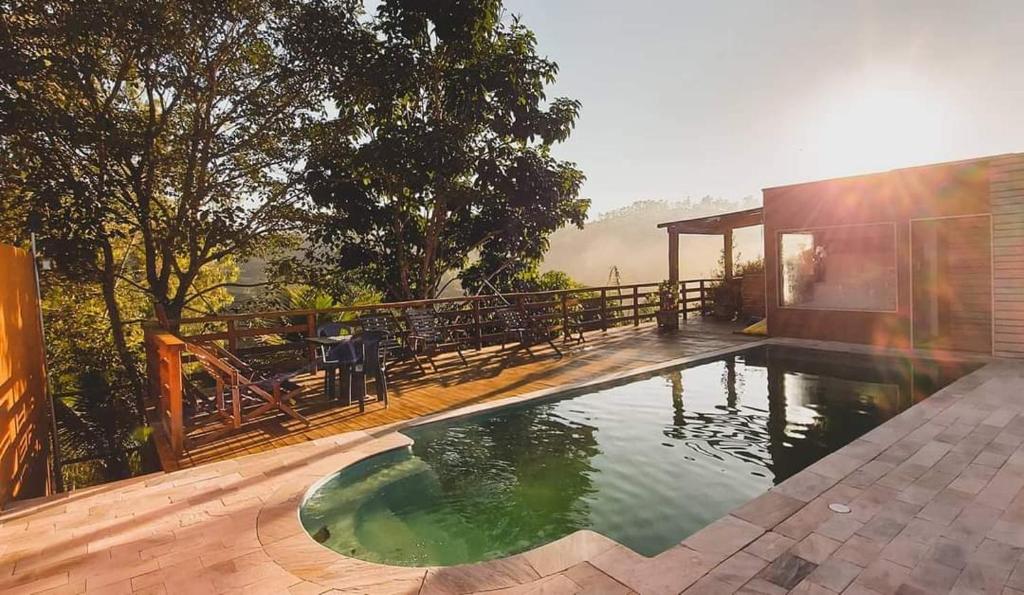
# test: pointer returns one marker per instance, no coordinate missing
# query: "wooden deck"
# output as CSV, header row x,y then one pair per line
x,y
491,374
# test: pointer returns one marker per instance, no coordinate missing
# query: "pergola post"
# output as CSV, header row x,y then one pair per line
x,y
727,252
673,256
673,273
722,225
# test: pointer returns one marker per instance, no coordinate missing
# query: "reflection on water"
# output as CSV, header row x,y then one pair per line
x,y
647,462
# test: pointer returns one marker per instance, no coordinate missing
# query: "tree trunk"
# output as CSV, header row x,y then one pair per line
x,y
109,284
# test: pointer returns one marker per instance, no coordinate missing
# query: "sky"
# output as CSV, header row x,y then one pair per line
x,y
685,98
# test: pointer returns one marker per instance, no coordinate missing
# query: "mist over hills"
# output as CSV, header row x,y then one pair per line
x,y
626,238
629,239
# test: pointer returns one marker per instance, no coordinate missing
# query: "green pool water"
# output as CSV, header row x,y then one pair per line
x,y
646,462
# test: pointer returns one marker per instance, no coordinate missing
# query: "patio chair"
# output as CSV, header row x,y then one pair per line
x,y
324,361
391,344
524,330
358,358
242,384
428,336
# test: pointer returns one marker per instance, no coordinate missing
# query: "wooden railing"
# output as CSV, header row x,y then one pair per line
x,y
704,299
569,312
163,360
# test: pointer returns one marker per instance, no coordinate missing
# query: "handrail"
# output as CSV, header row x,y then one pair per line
x,y
413,303
571,309
568,312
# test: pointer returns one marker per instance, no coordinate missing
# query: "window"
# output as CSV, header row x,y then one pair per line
x,y
839,268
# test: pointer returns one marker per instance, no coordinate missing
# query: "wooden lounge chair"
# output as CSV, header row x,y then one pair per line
x,y
523,330
237,381
428,336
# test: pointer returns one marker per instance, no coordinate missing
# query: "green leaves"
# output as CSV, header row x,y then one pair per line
x,y
439,160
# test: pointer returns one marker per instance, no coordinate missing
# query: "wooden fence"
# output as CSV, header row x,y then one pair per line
x,y
570,313
24,411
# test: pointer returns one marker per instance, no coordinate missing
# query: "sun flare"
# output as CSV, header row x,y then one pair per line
x,y
879,123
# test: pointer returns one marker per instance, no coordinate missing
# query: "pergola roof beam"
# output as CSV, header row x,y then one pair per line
x,y
716,224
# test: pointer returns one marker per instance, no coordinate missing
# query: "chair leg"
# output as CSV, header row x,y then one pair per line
x,y
459,351
359,386
419,363
382,387
362,401
284,405
430,359
345,378
553,346
236,407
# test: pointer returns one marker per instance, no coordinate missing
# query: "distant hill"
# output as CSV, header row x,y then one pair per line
x,y
629,239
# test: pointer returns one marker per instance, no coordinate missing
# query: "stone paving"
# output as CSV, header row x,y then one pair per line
x,y
935,498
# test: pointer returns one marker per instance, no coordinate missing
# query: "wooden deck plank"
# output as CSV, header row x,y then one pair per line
x,y
491,374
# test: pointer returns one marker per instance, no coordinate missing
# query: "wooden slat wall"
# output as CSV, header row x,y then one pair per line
x,y
24,444
1007,192
968,269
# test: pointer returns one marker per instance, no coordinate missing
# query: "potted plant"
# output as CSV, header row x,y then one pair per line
x,y
668,305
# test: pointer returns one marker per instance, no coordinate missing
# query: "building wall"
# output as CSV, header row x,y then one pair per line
x,y
24,421
894,197
1007,187
968,247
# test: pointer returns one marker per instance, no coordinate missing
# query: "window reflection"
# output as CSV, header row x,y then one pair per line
x,y
839,268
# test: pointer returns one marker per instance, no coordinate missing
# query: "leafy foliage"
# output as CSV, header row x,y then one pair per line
x,y
95,425
154,144
441,146
149,144
174,127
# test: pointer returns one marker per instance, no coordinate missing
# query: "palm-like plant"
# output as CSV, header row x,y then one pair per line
x,y
97,432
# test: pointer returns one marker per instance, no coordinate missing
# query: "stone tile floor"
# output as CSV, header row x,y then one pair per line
x,y
936,498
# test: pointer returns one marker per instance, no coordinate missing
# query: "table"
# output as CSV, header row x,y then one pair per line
x,y
357,389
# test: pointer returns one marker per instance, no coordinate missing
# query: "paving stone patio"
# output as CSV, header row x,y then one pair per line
x,y
936,499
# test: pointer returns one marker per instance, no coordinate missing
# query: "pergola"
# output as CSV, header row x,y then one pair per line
x,y
722,225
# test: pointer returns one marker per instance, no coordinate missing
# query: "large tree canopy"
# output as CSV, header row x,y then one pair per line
x,y
174,127
439,158
154,141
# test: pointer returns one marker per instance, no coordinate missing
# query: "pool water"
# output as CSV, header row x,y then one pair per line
x,y
647,462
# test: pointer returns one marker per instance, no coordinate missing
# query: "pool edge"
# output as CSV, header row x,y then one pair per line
x,y
296,551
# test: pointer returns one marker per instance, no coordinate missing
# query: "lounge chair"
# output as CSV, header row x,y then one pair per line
x,y
238,381
428,336
522,329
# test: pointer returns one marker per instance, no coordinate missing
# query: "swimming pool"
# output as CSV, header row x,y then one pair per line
x,y
647,461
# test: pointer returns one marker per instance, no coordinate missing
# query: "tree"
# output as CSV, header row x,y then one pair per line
x,y
170,132
441,148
